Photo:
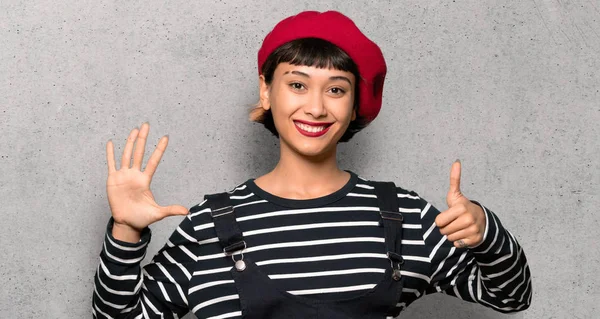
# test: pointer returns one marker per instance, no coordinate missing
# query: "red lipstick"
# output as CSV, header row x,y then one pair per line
x,y
315,124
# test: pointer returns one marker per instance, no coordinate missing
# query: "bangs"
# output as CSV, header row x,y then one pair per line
x,y
313,52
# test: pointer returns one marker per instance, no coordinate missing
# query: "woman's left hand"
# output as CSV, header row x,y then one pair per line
x,y
464,221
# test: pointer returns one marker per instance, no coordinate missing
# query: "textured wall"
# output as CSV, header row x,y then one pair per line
x,y
509,87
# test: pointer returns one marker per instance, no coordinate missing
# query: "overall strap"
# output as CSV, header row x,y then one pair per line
x,y
226,226
391,219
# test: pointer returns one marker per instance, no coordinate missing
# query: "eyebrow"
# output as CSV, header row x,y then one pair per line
x,y
335,77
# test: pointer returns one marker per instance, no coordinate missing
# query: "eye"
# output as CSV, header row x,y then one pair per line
x,y
296,86
337,91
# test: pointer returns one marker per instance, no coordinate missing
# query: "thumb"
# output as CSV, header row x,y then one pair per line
x,y
173,210
454,191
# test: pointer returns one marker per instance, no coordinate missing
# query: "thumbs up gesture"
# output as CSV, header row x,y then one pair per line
x,y
464,221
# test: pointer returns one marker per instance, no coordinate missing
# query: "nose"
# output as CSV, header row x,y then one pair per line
x,y
315,105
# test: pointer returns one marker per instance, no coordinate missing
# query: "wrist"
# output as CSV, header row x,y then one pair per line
x,y
484,225
126,233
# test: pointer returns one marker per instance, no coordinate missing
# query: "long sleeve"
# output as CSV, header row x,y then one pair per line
x,y
123,289
494,274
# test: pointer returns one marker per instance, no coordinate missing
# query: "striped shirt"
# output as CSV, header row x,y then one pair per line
x,y
330,247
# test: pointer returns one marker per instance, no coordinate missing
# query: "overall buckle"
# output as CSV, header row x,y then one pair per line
x,y
396,262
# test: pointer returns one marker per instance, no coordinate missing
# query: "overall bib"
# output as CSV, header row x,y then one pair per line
x,y
261,299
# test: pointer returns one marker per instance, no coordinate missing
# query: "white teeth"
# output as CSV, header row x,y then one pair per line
x,y
310,128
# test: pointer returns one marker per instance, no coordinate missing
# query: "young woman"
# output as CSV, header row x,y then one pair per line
x,y
308,239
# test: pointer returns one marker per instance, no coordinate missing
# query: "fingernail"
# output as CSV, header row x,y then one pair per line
x,y
457,161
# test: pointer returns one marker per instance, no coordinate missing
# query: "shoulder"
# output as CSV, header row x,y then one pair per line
x,y
405,195
415,208
196,234
234,192
200,213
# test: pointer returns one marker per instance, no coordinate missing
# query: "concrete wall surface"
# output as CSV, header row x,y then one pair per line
x,y
512,88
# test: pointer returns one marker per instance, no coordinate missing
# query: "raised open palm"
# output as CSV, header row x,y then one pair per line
x,y
131,202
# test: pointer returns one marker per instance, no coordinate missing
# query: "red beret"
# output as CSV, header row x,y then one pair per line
x,y
338,29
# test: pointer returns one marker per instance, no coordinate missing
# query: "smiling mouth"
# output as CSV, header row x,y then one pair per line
x,y
311,128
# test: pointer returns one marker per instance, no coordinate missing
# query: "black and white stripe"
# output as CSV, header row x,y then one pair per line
x,y
328,248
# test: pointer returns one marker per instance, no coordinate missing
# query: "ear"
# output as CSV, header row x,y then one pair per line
x,y
353,115
264,93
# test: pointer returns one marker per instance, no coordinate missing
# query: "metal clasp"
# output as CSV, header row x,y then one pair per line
x,y
391,215
217,212
396,261
231,250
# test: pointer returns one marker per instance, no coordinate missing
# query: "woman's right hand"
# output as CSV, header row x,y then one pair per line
x,y
128,188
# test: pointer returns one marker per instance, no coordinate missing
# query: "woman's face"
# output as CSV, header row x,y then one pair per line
x,y
311,107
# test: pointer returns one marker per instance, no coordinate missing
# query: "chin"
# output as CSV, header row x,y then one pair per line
x,y
315,151
313,148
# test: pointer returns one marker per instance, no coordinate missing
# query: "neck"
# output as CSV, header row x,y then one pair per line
x,y
302,177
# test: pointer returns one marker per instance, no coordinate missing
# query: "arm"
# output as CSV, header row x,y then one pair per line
x,y
494,273
123,289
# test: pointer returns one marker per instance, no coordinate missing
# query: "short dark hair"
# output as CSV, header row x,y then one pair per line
x,y
310,52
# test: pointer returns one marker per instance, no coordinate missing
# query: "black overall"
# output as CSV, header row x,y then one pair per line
x,y
259,297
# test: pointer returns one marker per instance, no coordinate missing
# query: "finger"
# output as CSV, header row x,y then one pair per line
x,y
156,156
465,243
461,244
455,177
467,232
173,210
110,157
463,221
140,144
446,217
126,159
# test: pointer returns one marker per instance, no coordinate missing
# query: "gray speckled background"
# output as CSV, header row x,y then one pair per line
x,y
509,87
